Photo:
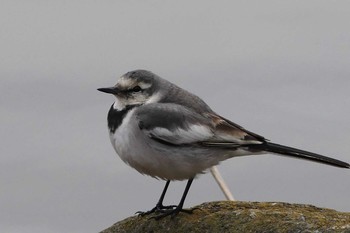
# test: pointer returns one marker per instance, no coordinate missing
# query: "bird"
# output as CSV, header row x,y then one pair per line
x,y
168,133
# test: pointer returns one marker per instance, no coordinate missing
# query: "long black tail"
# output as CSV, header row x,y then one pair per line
x,y
301,154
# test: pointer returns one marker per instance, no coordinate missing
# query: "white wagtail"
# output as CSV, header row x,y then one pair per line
x,y
165,132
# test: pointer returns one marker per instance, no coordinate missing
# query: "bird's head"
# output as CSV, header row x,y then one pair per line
x,y
135,88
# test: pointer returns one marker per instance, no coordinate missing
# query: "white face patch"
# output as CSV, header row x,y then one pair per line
x,y
125,82
121,101
154,98
144,85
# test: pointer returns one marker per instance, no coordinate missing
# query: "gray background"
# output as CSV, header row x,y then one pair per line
x,y
278,68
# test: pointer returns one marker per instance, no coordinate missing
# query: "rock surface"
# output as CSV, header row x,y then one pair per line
x,y
229,216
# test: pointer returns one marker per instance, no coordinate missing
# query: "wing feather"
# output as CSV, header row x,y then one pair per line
x,y
174,124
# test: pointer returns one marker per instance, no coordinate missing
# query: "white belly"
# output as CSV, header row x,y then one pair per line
x,y
158,160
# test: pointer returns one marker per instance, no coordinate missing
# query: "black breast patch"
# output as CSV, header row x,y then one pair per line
x,y
115,117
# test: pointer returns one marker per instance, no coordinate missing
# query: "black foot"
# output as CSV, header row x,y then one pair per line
x,y
159,208
172,212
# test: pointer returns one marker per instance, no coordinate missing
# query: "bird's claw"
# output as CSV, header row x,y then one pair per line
x,y
156,209
172,213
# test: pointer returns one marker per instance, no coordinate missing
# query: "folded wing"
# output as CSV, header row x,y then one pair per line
x,y
175,124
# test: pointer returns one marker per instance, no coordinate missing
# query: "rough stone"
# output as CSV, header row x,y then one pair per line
x,y
230,216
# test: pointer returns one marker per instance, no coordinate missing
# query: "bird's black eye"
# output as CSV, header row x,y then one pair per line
x,y
136,89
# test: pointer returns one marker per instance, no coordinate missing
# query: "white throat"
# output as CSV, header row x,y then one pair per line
x,y
118,105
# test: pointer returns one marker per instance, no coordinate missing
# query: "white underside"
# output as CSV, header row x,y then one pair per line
x,y
162,161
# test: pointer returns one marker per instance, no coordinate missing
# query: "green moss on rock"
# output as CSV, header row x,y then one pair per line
x,y
229,216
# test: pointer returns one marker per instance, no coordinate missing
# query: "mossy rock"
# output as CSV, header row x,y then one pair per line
x,y
232,216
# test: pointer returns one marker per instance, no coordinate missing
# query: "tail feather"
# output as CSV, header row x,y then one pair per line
x,y
301,154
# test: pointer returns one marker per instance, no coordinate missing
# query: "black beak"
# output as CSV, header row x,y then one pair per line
x,y
109,90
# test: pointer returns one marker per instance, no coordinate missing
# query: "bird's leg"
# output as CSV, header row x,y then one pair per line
x,y
159,206
178,209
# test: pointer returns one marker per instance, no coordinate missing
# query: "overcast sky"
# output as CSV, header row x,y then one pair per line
x,y
278,68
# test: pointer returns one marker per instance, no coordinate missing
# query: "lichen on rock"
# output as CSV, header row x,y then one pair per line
x,y
234,216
